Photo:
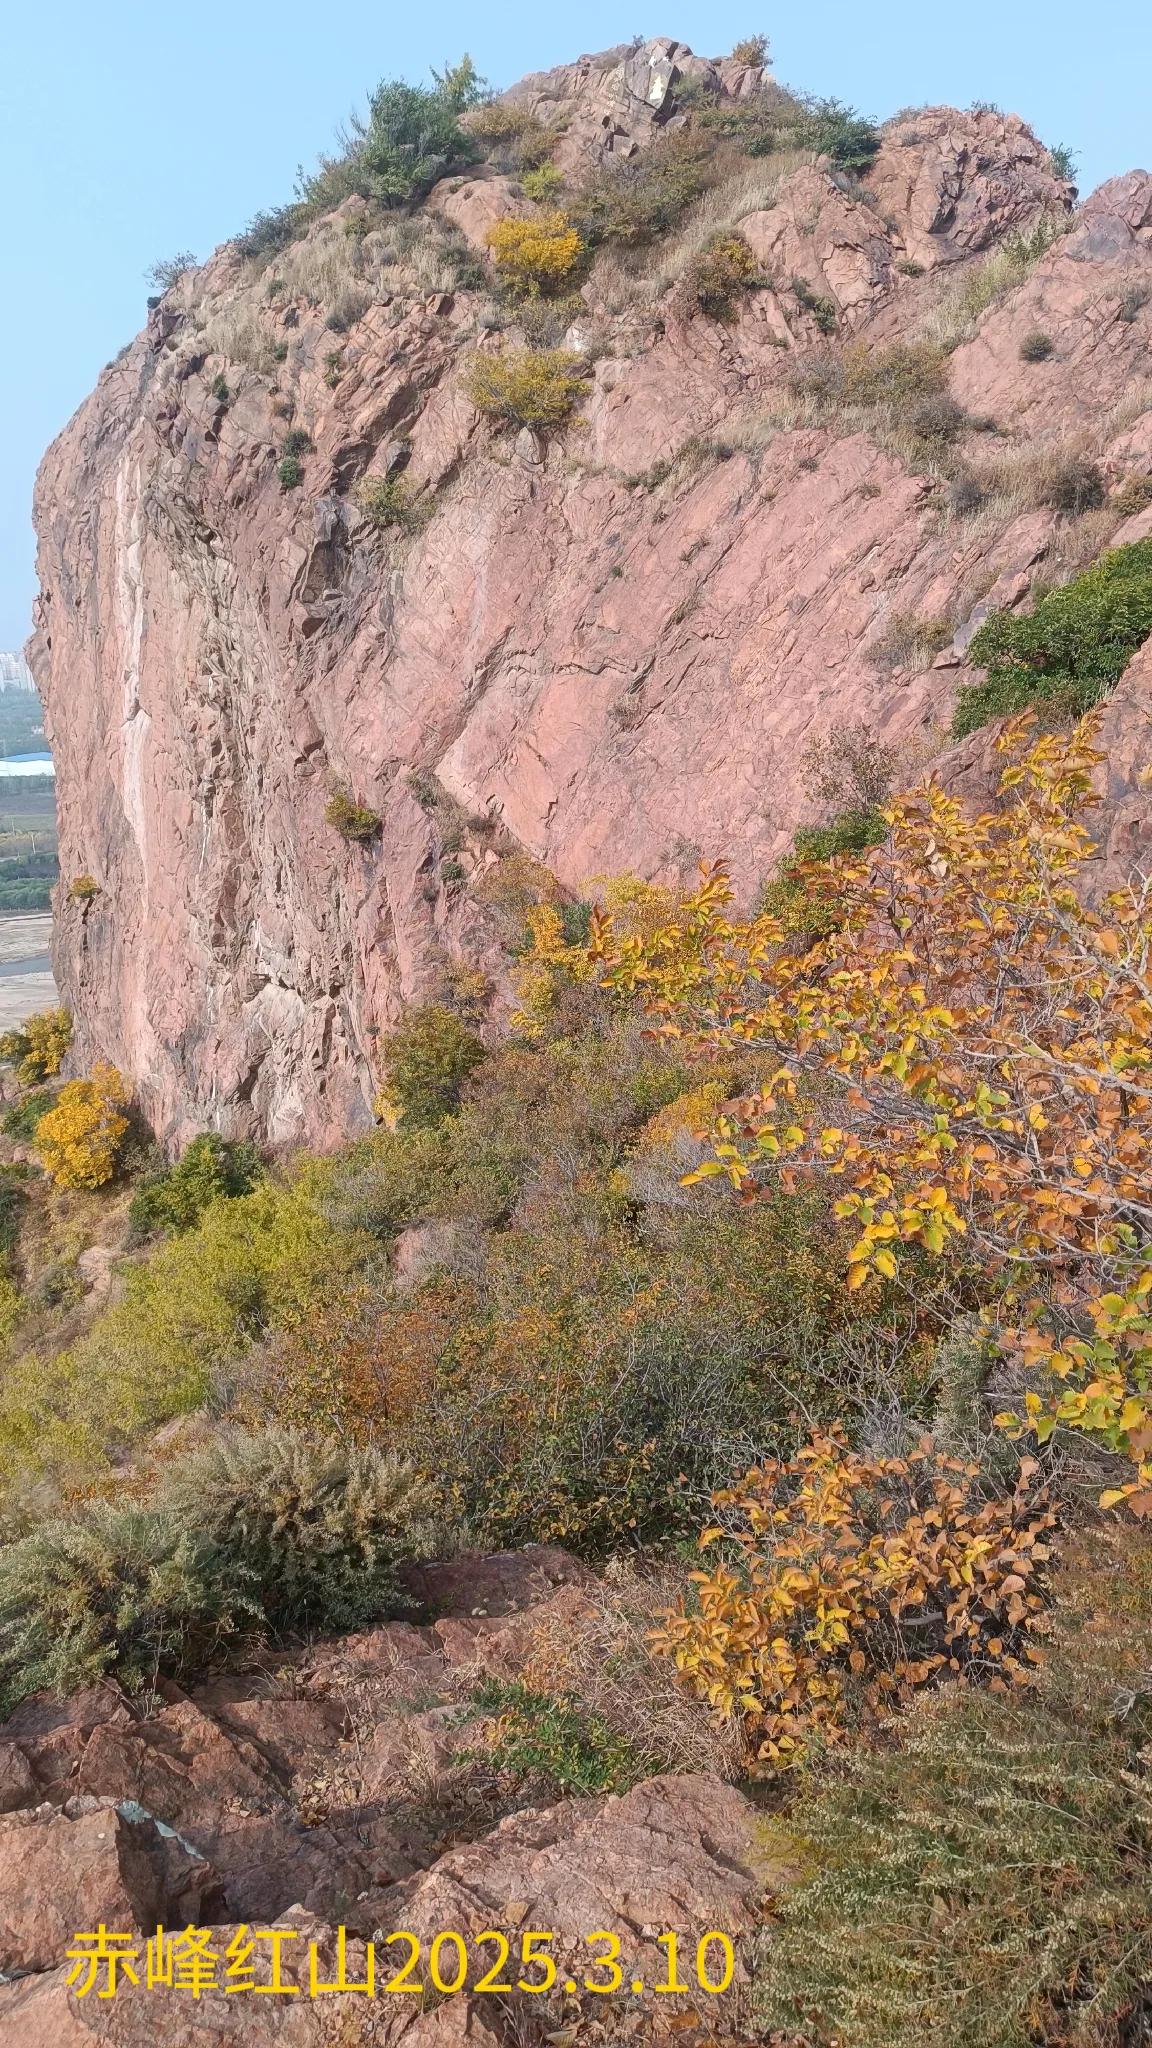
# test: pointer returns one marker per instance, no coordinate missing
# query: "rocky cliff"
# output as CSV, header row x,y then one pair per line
x,y
609,648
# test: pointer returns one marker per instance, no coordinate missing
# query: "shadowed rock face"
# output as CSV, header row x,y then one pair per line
x,y
609,670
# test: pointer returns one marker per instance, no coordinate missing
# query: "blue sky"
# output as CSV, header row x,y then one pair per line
x,y
131,130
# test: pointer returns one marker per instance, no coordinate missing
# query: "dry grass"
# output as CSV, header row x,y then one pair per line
x,y
622,284
964,298
604,1661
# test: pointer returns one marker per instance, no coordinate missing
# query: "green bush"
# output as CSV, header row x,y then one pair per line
x,y
179,1335
20,1120
209,1170
764,125
986,1884
1068,652
391,501
629,204
298,441
425,1063
823,310
252,1531
551,1741
352,820
109,1589
290,472
316,1530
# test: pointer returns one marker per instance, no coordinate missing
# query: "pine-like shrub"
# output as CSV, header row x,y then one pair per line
x,y
210,1169
317,1529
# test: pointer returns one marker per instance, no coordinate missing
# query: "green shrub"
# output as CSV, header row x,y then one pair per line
x,y
315,1530
219,388
290,472
1063,162
536,388
109,1589
252,1531
764,125
823,310
987,1884
543,185
629,204
391,501
298,441
1069,651
20,1120
210,1169
552,1741
352,820
425,1063
179,1335
1036,347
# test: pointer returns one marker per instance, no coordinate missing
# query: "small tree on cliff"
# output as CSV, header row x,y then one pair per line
x,y
988,1039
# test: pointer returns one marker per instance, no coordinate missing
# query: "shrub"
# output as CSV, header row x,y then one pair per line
x,y
169,270
1075,486
21,1119
719,273
842,1567
753,50
412,137
37,1048
823,310
898,373
765,125
512,138
986,1881
542,184
349,306
536,388
290,472
188,1316
316,1530
1064,163
632,203
909,642
392,501
550,1741
81,1137
425,1063
1070,649
352,820
210,1169
219,388
83,888
535,255
1134,495
1036,347
107,1589
297,441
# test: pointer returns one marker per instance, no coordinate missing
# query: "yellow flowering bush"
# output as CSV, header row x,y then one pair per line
x,y
535,254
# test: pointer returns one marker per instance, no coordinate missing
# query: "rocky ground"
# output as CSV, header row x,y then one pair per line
x,y
325,1788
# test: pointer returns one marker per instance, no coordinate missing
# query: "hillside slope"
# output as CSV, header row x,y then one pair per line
x,y
609,647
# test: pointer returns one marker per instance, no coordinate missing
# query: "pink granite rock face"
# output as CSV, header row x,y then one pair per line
x,y
609,650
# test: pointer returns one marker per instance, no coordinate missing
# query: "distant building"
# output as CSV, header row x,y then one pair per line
x,y
15,673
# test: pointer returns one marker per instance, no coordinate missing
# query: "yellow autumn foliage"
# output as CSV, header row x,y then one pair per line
x,y
535,254
80,1138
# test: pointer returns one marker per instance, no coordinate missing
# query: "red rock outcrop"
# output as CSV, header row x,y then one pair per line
x,y
314,1792
610,650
